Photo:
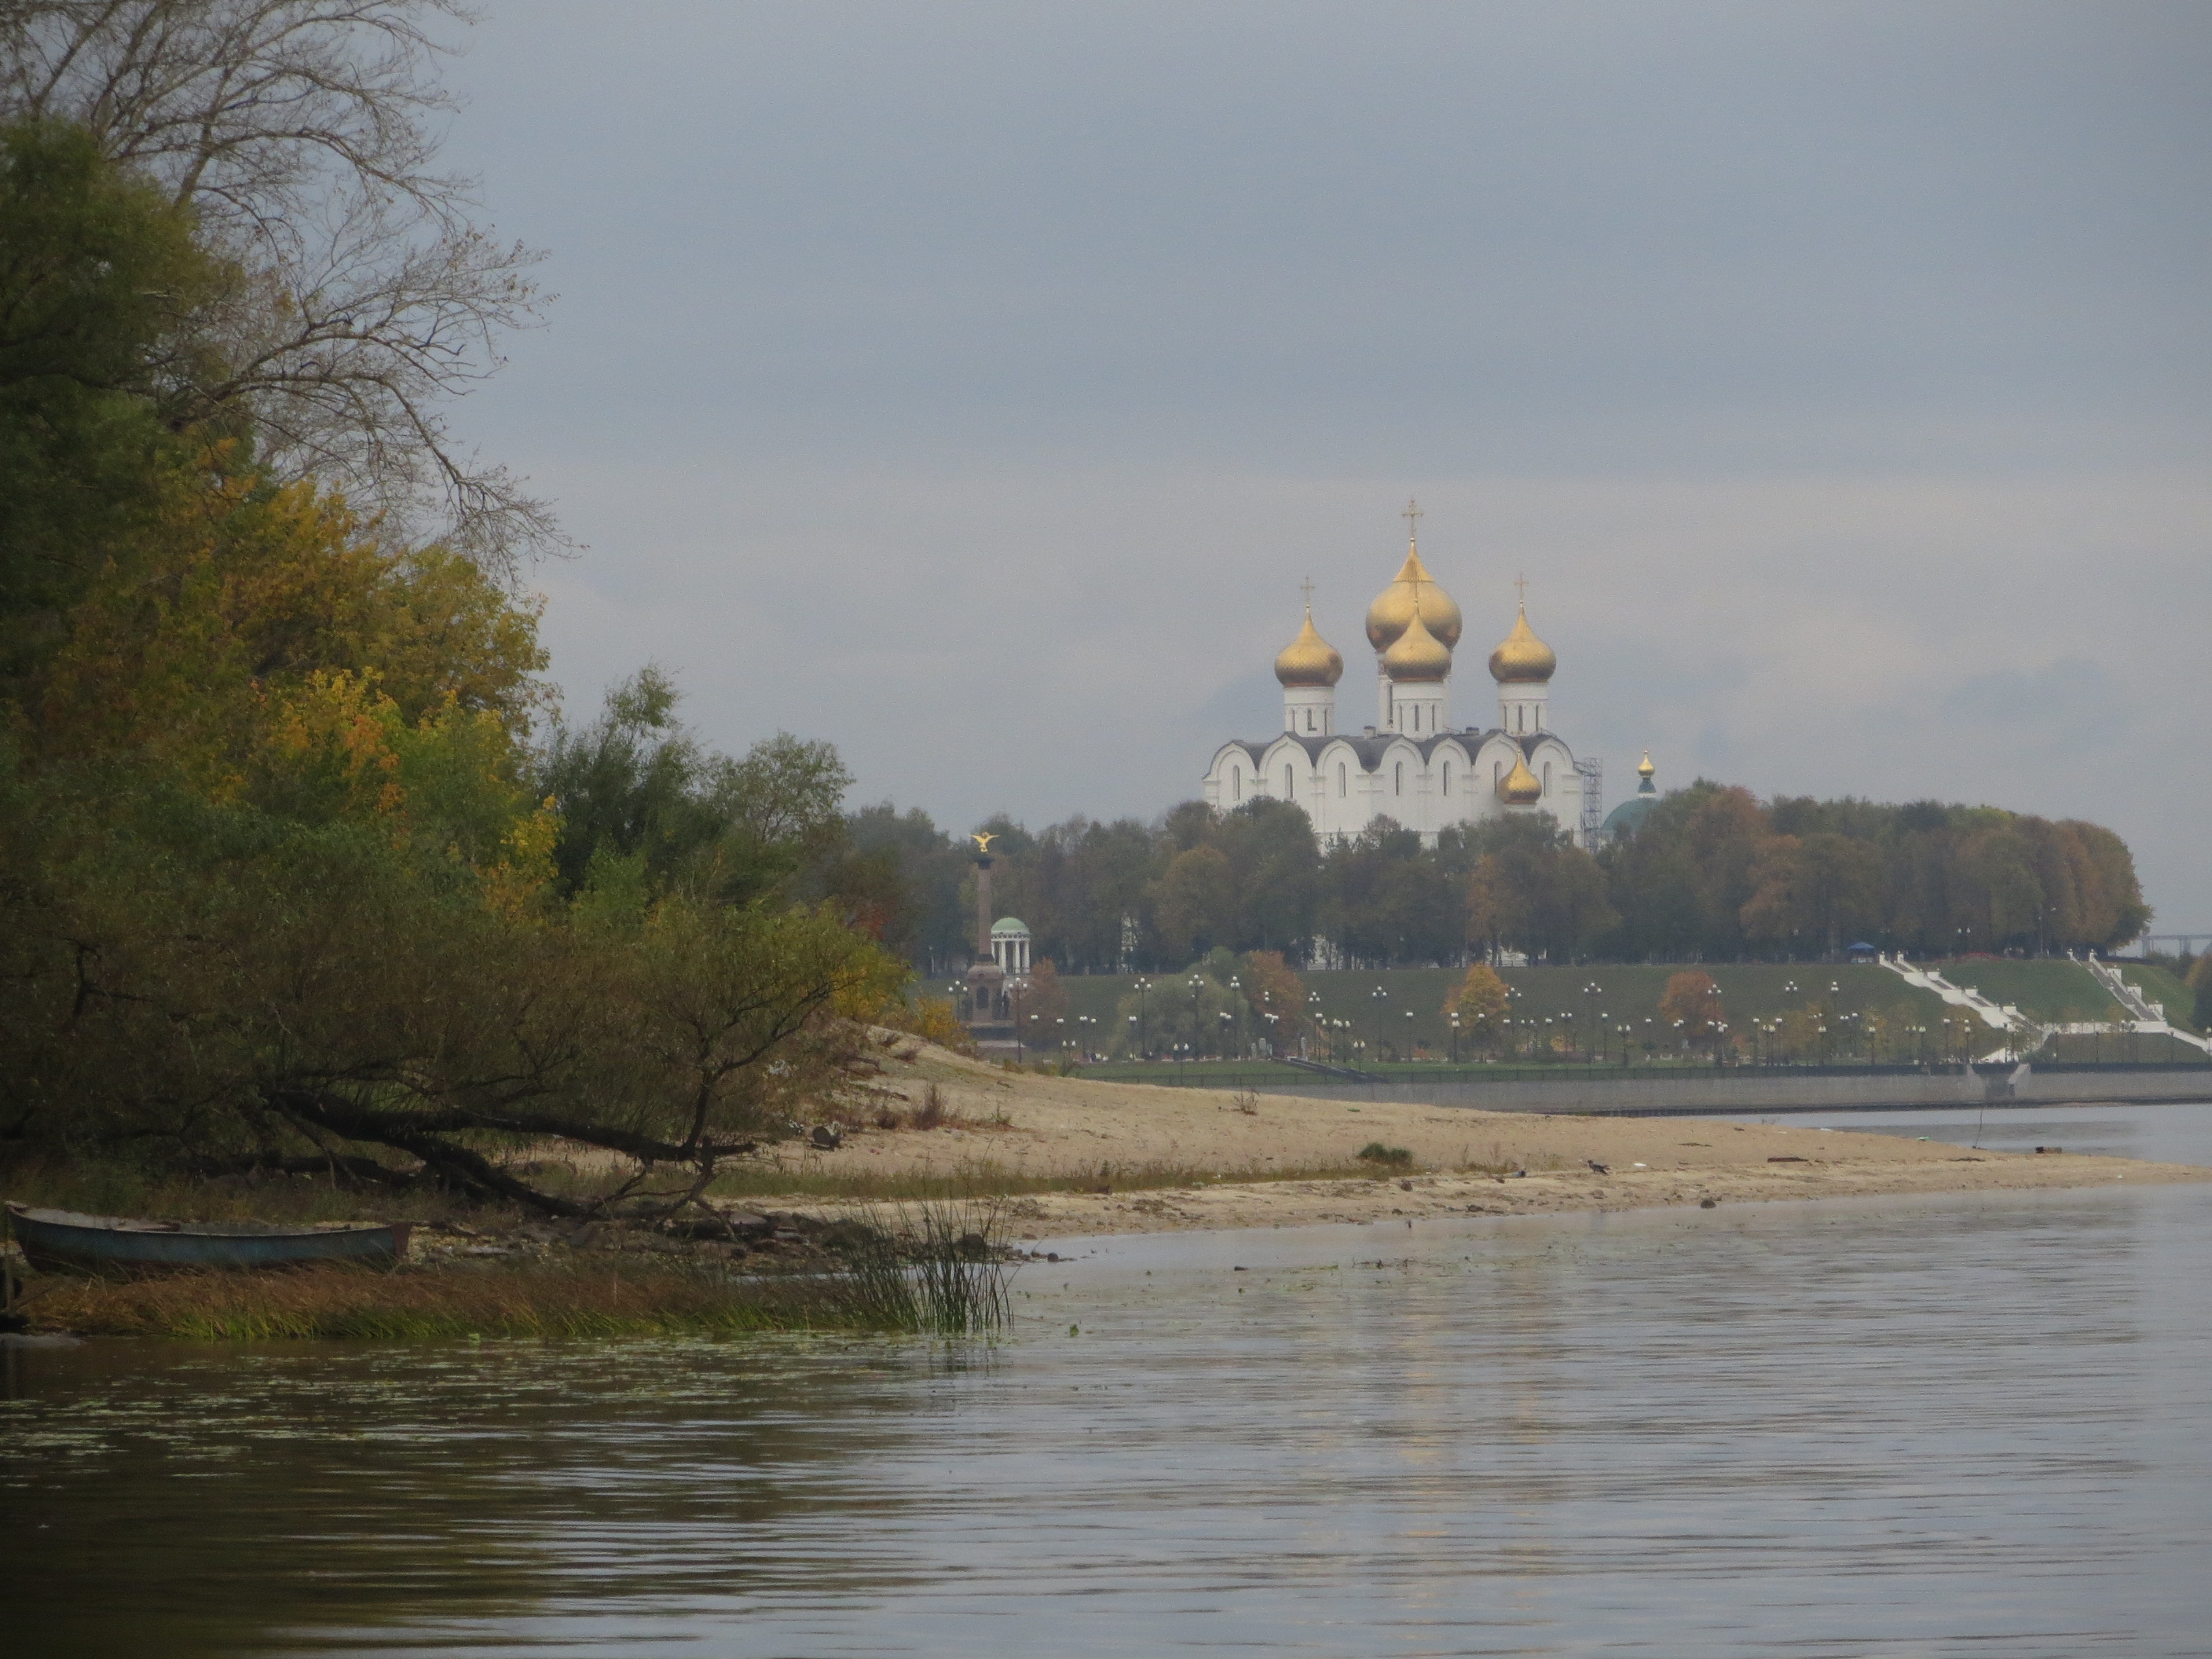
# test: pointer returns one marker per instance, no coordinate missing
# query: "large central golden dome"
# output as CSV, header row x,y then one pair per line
x,y
1521,658
1413,590
1309,659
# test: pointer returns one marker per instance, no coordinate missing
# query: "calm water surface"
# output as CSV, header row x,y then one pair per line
x,y
1902,1427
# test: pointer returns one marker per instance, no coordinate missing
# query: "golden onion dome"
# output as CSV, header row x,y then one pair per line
x,y
1309,659
1522,657
1519,787
1411,591
1417,655
1647,770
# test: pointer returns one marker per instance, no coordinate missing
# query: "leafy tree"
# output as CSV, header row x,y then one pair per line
x,y
1193,903
247,593
1386,898
1274,874
922,869
1041,1006
636,786
1193,1012
1692,1003
1817,887
1539,893
1277,998
95,268
362,294
1481,1002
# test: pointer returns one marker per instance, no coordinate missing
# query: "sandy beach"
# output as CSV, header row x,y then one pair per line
x,y
1228,1153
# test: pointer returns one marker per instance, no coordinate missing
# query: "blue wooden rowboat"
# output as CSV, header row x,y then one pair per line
x,y
54,1240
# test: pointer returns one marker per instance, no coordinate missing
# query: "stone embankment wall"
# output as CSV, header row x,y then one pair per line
x,y
1771,1092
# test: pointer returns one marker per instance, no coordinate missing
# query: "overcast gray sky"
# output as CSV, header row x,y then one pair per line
x,y
973,384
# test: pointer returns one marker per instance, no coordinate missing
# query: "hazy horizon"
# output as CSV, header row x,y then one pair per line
x,y
972,386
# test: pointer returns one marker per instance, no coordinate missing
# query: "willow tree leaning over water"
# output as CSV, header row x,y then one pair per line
x,y
225,992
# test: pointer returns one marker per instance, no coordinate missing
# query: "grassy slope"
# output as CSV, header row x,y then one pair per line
x,y
2050,990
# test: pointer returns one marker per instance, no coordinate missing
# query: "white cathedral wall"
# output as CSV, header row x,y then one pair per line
x,y
1416,799
1401,792
1524,709
1419,710
1342,801
1310,710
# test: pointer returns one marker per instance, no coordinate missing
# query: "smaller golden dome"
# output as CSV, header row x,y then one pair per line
x,y
1417,655
1522,658
1647,770
1309,659
1519,787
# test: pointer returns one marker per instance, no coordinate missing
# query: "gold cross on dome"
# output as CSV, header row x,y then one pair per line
x,y
1521,586
1413,515
1306,588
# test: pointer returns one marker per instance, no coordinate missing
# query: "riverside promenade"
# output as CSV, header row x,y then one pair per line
x,y
1693,1091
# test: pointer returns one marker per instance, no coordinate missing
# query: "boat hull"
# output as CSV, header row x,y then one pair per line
x,y
61,1240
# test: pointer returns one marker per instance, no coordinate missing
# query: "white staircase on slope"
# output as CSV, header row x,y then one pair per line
x,y
2148,1016
2029,1035
2026,1034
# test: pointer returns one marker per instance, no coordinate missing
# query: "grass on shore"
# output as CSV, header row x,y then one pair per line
x,y
936,1270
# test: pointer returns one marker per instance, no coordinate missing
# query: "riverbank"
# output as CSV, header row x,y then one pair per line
x,y
933,1269
1075,1156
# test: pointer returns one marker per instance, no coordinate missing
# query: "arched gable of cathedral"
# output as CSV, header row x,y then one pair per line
x,y
1235,776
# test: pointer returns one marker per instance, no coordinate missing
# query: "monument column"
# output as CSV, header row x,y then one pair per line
x,y
987,980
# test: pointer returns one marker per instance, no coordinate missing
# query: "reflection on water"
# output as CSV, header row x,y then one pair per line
x,y
1922,1427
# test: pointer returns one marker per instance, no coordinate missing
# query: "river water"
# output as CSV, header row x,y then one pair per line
x,y
1926,1426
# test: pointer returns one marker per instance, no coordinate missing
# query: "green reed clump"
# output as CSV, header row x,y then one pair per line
x,y
1376,1152
936,1267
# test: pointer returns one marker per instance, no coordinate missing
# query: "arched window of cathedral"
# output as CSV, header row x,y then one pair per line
x,y
1398,781
1447,777
1290,787
1237,783
1339,780
1308,720
1496,773
1548,777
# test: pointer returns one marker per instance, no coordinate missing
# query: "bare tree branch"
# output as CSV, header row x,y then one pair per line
x,y
303,134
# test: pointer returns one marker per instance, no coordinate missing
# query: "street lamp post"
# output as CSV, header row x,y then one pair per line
x,y
1380,997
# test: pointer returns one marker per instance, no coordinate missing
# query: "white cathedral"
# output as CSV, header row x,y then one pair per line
x,y
1413,766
